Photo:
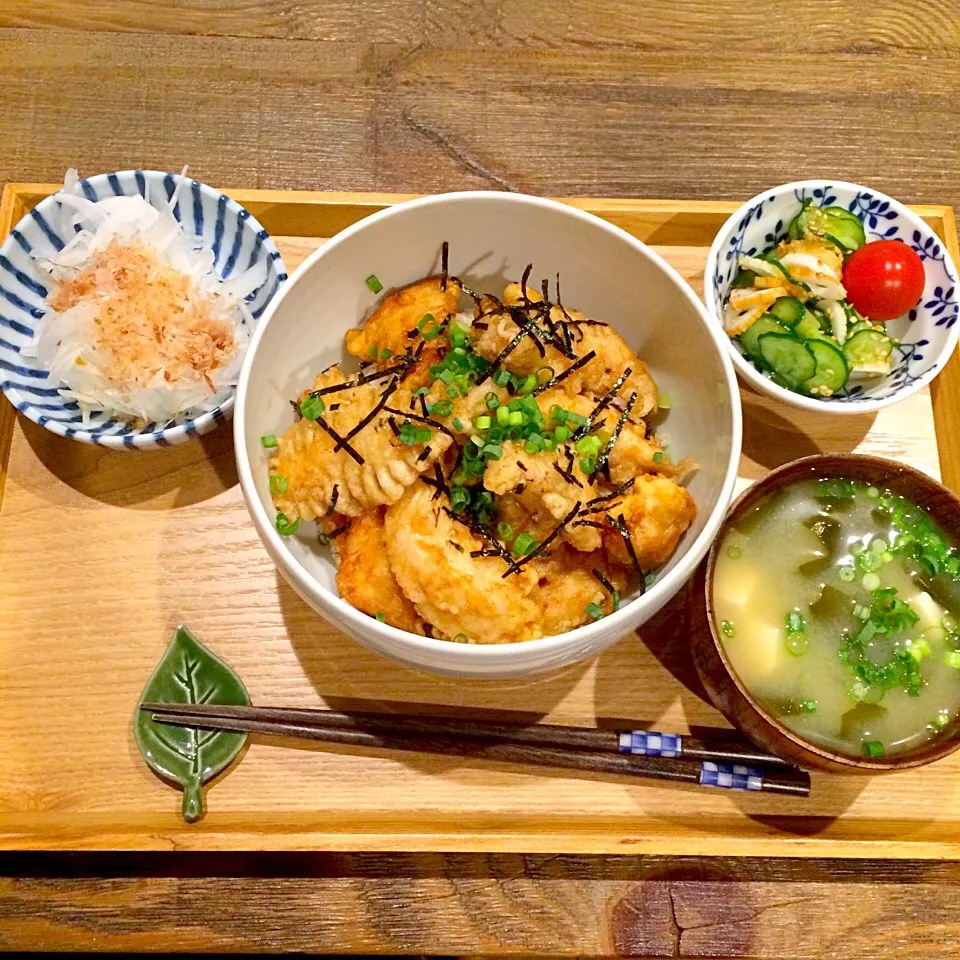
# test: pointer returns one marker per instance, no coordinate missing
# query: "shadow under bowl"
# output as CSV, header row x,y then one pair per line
x,y
730,694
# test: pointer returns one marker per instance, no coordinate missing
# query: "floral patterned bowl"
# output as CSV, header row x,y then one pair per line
x,y
927,334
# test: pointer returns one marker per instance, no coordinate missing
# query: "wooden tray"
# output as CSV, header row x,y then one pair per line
x,y
102,553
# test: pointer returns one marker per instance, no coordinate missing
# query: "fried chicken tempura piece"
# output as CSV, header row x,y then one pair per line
x,y
568,585
398,314
454,592
307,459
657,511
613,355
364,576
544,490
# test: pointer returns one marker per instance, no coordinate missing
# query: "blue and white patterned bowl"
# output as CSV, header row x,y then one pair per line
x,y
237,242
928,334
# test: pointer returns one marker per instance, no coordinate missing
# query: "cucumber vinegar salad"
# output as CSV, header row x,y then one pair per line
x,y
810,311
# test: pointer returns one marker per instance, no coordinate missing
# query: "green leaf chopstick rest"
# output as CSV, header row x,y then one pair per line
x,y
189,673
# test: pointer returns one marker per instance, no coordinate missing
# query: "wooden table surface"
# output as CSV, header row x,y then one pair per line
x,y
662,98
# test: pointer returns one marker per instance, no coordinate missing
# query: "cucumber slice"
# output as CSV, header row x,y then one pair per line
x,y
869,351
809,327
788,310
859,326
835,224
831,372
788,357
743,278
763,324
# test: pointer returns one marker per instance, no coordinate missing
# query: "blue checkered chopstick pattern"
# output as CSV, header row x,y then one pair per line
x,y
730,776
649,743
236,240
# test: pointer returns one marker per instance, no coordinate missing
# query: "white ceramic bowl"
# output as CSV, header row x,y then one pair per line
x,y
927,334
492,236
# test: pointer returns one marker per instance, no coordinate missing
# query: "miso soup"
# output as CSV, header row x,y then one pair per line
x,y
838,605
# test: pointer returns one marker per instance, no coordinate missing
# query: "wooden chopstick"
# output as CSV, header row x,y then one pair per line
x,y
424,736
644,742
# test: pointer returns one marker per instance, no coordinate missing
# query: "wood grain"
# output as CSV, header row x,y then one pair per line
x,y
169,517
504,905
667,98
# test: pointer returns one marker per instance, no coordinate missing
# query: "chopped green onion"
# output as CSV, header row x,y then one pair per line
x,y
528,384
809,706
424,434
503,416
941,719
373,284
461,638
459,498
545,374
278,484
872,748
458,424
458,336
562,434
558,414
411,434
386,353
665,402
502,377
372,352
873,493
549,444
524,545
442,408
515,418
285,527
588,446
726,628
797,644
594,610
847,574
493,401
425,321
483,423
493,451
658,457
919,649
505,530
871,581
795,622
312,407
269,441
952,659
588,465
381,616
734,552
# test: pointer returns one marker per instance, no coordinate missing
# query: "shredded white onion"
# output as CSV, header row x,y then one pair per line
x,y
66,342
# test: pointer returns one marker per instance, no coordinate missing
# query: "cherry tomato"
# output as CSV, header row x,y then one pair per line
x,y
884,279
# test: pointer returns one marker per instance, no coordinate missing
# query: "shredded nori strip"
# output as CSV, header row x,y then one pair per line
x,y
479,530
522,466
472,294
486,552
605,583
523,284
557,530
481,325
334,406
334,496
563,309
504,353
603,461
400,367
339,440
441,480
569,477
588,523
423,405
520,487
560,377
426,420
381,403
393,426
623,488
456,546
297,410
444,263
423,454
324,538
620,525
602,405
